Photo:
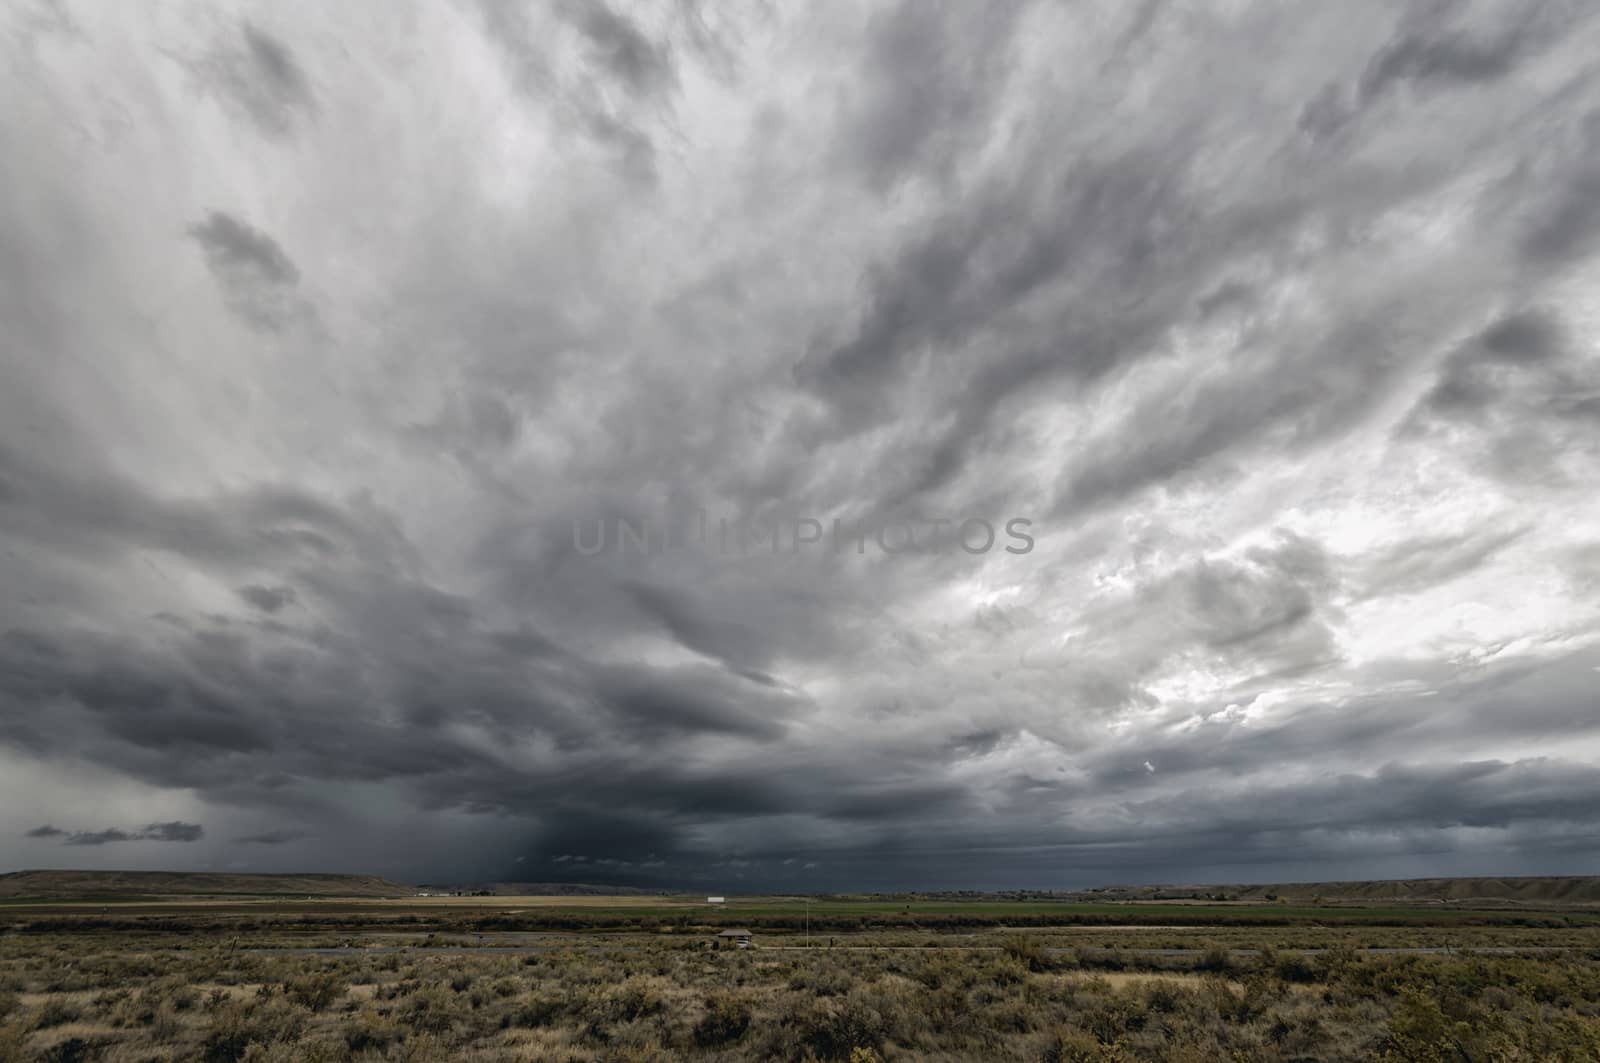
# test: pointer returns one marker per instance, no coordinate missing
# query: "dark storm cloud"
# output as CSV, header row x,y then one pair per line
x,y
691,700
98,837
978,265
580,836
1269,317
176,831
1067,271
271,837
1477,794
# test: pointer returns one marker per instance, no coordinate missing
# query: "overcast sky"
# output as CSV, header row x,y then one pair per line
x,y
335,340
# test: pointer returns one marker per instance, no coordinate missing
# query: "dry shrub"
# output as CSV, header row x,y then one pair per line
x,y
650,1052
373,1031
832,1028
71,1050
166,1026
431,1010
535,1012
726,1019
1026,951
942,970
823,982
1070,1045
233,1028
316,990
999,971
1296,967
634,999
138,1010
12,1035
56,1012
423,1048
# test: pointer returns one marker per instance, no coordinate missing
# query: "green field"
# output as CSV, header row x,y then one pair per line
x,y
558,912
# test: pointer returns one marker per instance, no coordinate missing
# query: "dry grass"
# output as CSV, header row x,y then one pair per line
x,y
95,995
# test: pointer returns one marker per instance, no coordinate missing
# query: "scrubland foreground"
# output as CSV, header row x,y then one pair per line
x,y
1175,994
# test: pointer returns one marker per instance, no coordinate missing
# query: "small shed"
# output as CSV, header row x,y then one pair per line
x,y
740,938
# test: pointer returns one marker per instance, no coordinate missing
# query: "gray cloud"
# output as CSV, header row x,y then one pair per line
x,y
1444,58
175,831
258,280
98,837
267,599
260,77
618,45
1437,48
616,95
933,77
1429,560
1477,375
1271,320
271,837
1520,383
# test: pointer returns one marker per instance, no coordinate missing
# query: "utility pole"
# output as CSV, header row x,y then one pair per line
x,y
808,922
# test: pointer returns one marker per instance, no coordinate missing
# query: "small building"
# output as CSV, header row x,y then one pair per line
x,y
741,938
715,900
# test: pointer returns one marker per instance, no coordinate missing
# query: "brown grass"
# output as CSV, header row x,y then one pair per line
x,y
160,994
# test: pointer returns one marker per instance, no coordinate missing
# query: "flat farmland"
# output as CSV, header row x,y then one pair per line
x,y
610,912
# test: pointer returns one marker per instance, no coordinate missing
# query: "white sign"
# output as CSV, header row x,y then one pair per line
x,y
715,900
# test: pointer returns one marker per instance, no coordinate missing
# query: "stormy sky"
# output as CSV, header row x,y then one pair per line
x,y
801,446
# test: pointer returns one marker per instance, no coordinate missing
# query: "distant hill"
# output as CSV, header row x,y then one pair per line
x,y
1532,891
64,884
